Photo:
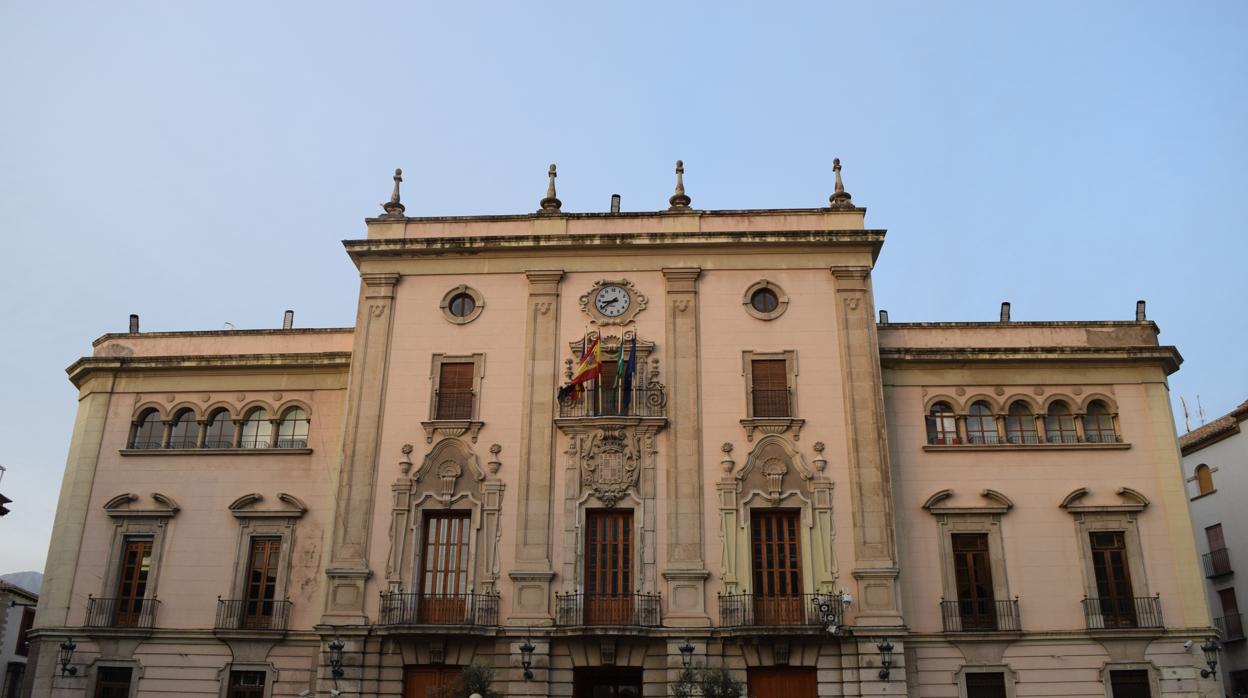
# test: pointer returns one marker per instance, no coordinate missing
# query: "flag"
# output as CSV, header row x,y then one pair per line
x,y
627,371
588,369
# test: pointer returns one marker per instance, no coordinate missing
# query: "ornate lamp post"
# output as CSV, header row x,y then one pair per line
x,y
886,657
1210,648
336,646
65,656
686,653
526,658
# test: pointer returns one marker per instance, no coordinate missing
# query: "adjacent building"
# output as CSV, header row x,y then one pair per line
x,y
585,449
1215,463
17,615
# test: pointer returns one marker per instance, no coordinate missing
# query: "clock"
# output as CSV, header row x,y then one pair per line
x,y
612,300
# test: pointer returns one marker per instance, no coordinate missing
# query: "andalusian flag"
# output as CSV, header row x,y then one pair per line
x,y
589,369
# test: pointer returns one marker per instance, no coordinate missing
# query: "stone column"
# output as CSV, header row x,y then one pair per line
x,y
533,572
348,570
875,548
686,572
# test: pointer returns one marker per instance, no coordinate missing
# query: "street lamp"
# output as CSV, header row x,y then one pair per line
x,y
886,657
686,653
65,656
336,646
1210,648
526,658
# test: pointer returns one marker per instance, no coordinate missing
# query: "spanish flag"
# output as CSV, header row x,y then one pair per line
x,y
589,368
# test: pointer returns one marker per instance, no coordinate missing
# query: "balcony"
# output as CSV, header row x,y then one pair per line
x,y
748,610
121,613
411,609
1217,562
1123,613
579,609
608,402
252,614
973,616
1230,627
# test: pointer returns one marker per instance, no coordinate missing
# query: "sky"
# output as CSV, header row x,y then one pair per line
x,y
199,163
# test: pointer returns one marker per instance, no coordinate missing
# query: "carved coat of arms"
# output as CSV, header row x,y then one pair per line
x,y
610,464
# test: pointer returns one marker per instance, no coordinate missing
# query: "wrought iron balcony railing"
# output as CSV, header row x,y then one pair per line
x,y
1230,627
406,608
744,610
1121,613
642,610
977,615
453,404
771,403
1217,562
121,613
252,614
1102,437
610,402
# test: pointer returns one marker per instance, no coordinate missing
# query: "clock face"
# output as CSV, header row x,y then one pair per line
x,y
612,301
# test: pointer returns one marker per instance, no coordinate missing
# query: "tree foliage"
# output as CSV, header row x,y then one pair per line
x,y
706,682
474,678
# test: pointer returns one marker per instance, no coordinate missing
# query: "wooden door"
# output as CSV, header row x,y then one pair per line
x,y
985,685
261,583
609,567
1113,579
136,565
1130,684
782,682
769,386
1213,534
606,683
777,567
425,681
444,574
976,602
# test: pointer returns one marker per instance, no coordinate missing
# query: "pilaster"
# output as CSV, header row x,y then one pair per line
x,y
875,549
686,565
348,570
533,572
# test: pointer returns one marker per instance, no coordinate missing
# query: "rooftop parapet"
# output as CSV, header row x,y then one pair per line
x,y
224,342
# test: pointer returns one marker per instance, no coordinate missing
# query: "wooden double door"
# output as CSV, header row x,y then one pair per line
x,y
782,682
427,681
606,683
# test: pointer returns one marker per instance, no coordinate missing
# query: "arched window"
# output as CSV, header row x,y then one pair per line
x,y
1059,424
1020,424
981,425
257,430
1098,424
942,425
292,431
184,430
220,430
1204,479
149,431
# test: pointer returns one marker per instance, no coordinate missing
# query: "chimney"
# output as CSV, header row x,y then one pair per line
x,y
883,317
615,203
1005,311
1140,316
288,320
134,323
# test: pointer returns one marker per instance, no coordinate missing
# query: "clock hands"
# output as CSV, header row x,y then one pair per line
x,y
609,301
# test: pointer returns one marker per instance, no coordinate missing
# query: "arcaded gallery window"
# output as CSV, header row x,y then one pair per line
x,y
219,431
149,431
981,424
184,430
1098,424
1059,424
1020,424
292,430
257,430
942,425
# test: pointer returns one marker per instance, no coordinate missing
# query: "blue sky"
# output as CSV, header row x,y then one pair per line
x,y
198,163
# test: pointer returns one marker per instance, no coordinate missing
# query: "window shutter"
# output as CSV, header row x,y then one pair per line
x,y
455,391
770,387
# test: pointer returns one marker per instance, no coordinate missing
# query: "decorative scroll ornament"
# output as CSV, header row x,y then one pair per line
x,y
774,469
610,464
448,472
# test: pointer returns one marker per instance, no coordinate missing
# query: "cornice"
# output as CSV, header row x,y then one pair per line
x,y
220,333
84,367
607,215
1167,356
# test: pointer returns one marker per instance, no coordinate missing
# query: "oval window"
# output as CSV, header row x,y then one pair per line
x,y
462,305
764,300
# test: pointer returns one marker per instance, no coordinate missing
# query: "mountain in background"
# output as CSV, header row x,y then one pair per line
x,y
30,581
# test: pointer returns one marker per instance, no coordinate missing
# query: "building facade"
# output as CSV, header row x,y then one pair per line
x,y
1215,461
584,449
17,616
